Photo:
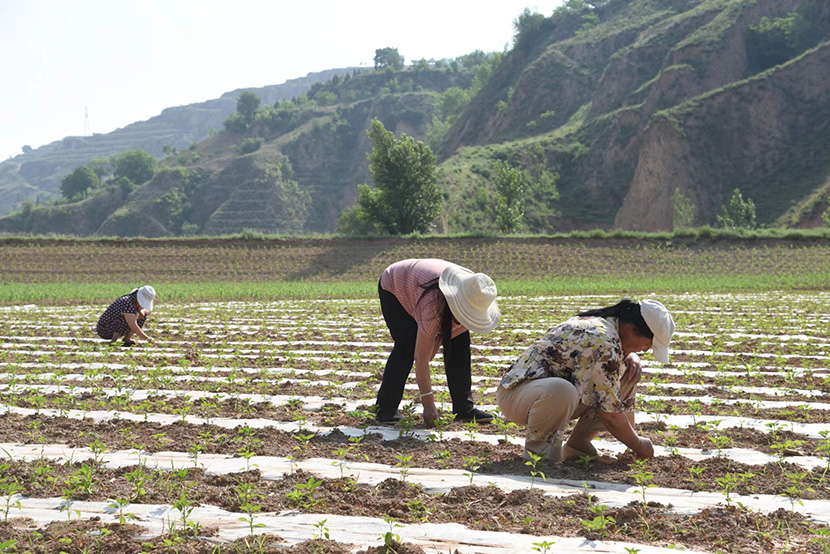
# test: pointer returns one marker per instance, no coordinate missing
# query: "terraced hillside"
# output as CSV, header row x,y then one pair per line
x,y
36,175
609,107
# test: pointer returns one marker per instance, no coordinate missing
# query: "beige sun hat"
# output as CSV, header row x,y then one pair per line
x,y
659,320
145,296
471,297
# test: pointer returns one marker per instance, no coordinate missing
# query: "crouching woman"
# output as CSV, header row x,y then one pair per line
x,y
125,318
587,368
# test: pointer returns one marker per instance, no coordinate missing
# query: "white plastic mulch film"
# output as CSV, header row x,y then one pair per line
x,y
262,392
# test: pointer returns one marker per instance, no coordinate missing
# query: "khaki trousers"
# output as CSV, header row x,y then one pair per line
x,y
545,406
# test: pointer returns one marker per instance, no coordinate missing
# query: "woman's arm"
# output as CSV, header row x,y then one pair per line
x,y
425,349
633,371
619,425
132,322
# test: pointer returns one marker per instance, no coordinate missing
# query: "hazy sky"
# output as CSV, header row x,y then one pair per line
x,y
126,60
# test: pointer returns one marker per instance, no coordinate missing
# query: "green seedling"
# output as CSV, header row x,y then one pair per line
x,y
601,523
543,547
405,463
472,464
533,462
642,477
322,532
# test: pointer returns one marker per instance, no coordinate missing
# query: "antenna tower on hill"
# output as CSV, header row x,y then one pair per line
x,y
86,121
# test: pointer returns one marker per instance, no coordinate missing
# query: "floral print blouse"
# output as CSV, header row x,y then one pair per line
x,y
587,352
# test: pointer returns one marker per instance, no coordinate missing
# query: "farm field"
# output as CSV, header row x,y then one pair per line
x,y
220,269
247,427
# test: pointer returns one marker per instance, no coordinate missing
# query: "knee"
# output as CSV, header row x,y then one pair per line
x,y
560,396
570,396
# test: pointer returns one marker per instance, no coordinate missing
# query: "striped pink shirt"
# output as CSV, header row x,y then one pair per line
x,y
405,279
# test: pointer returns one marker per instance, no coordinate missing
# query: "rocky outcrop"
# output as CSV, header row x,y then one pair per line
x,y
768,135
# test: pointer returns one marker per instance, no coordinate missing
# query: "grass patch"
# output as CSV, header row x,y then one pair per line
x,y
80,293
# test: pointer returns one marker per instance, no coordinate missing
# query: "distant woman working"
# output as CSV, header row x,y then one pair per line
x,y
427,304
125,317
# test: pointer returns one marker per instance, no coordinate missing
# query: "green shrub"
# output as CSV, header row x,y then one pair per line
x,y
738,213
774,41
250,145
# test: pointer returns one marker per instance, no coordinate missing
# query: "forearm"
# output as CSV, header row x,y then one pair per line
x,y
136,329
424,352
619,425
423,376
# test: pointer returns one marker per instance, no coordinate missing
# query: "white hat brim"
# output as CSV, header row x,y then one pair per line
x,y
477,321
660,351
144,300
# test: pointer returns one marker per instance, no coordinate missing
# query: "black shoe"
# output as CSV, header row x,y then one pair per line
x,y
129,342
394,418
479,416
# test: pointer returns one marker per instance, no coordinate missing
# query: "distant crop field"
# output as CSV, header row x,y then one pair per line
x,y
41,269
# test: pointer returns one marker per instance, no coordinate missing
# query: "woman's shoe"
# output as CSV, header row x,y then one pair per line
x,y
386,418
479,416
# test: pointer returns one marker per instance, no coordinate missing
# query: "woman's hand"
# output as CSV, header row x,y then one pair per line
x,y
644,450
633,371
430,412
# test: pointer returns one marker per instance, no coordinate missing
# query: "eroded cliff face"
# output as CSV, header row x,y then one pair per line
x,y
674,106
768,135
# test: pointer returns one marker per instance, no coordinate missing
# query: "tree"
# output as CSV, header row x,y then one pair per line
x,y
406,198
453,101
136,165
527,27
388,58
101,166
683,211
421,64
541,194
774,41
247,105
26,148
510,196
737,214
75,185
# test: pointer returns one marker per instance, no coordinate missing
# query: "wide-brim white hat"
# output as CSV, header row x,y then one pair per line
x,y
471,298
145,296
659,320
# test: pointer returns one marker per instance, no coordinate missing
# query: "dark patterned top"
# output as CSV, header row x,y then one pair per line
x,y
112,323
583,350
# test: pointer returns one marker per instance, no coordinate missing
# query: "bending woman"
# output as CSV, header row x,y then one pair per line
x,y
586,368
427,304
126,317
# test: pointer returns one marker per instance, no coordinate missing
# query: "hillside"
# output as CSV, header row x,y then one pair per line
x,y
36,175
660,95
621,101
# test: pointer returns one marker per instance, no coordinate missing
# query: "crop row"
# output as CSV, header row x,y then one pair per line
x,y
252,410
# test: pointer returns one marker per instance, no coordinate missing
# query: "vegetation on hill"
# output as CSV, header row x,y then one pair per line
x,y
633,114
35,175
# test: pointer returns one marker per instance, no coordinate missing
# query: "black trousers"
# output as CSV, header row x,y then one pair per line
x,y
404,330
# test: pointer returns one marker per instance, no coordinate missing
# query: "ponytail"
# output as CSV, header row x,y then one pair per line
x,y
626,311
446,320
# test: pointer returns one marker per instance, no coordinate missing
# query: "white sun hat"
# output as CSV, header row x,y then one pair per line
x,y
660,322
145,296
471,297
